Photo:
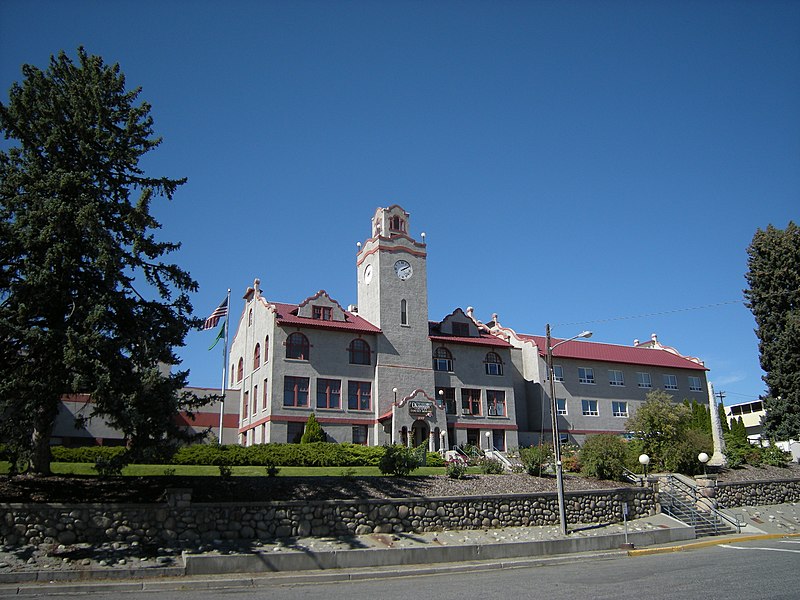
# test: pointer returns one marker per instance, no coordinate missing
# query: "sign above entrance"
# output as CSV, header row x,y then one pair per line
x,y
420,407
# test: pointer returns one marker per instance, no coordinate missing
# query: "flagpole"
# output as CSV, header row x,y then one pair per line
x,y
224,369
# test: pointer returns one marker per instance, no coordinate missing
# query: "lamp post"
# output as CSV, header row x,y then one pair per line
x,y
488,435
644,460
562,512
703,458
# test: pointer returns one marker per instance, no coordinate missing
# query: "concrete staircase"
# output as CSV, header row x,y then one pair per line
x,y
680,499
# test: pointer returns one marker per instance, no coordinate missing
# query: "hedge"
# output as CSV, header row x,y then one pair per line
x,y
317,454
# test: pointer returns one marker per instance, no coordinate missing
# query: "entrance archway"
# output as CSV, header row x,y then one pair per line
x,y
420,431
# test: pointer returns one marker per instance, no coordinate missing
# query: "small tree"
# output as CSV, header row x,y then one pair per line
x,y
398,460
603,456
313,431
658,424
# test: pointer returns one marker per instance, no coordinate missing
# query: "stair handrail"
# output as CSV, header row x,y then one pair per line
x,y
689,487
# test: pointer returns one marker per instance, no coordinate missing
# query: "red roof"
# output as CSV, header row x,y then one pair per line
x,y
614,353
484,340
287,315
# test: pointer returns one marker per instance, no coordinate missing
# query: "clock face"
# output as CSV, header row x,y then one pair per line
x,y
367,273
403,269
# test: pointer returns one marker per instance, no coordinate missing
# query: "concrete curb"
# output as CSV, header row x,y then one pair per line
x,y
716,541
211,571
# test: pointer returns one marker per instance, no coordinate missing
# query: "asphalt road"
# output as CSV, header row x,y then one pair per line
x,y
747,570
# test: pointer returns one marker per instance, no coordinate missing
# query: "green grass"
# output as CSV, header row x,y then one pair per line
x,y
59,468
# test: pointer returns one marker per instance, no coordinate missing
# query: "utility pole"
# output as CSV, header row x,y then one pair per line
x,y
721,396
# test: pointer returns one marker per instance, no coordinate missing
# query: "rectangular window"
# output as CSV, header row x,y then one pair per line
x,y
245,404
558,373
359,395
266,396
329,393
294,432
585,375
322,312
360,434
590,408
295,391
670,382
561,406
460,329
255,399
470,402
496,402
616,378
644,380
448,395
695,385
619,409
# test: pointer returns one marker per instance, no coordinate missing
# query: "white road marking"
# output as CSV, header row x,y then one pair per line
x,y
754,548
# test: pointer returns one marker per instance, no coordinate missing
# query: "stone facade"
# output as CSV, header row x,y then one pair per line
x,y
179,522
757,493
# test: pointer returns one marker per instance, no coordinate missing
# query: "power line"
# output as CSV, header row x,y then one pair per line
x,y
654,314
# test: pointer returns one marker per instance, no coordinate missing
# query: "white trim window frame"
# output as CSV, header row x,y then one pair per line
x,y
586,375
644,380
619,408
695,384
590,408
616,378
561,406
670,382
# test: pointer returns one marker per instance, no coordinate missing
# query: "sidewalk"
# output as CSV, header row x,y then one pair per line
x,y
379,555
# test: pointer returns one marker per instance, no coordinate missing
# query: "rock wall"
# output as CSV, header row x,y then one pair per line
x,y
180,522
756,493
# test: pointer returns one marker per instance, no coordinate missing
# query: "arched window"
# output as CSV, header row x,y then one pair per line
x,y
266,349
240,370
494,365
257,356
250,317
442,359
403,312
397,224
359,352
297,346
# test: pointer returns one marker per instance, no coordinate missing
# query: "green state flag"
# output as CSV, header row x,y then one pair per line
x,y
220,335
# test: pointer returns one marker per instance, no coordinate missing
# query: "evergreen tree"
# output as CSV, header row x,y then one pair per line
x,y
723,418
313,431
774,298
86,303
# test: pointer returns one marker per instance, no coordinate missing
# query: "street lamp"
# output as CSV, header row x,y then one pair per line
x,y
703,458
644,460
562,512
488,435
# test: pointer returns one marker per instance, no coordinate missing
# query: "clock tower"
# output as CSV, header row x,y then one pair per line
x,y
393,295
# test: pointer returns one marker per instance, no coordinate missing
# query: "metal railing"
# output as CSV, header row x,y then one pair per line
x,y
679,499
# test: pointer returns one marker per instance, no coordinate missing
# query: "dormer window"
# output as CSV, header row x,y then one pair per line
x,y
397,224
460,329
322,313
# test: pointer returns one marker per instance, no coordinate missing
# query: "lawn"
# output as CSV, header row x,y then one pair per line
x,y
60,468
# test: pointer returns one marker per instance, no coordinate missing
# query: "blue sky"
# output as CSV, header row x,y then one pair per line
x,y
597,165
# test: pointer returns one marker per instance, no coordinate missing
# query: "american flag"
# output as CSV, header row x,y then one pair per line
x,y
214,317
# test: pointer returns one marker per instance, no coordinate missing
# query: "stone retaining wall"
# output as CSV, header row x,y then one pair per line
x,y
755,493
181,522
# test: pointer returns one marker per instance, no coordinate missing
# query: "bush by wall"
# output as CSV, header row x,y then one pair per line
x,y
86,454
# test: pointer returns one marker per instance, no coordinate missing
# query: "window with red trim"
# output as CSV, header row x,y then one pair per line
x,y
322,312
470,402
496,402
240,370
297,346
360,353
295,391
257,356
359,395
329,393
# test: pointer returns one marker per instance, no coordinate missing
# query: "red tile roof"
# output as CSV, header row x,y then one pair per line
x,y
484,340
614,353
287,315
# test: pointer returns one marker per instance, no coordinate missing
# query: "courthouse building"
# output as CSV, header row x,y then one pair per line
x,y
381,372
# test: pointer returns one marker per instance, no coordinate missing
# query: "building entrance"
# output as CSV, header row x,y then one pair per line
x,y
420,431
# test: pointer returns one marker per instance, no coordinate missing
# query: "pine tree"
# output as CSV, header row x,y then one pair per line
x,y
86,303
313,431
774,298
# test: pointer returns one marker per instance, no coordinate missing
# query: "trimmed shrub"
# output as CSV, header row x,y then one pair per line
x,y
456,469
536,458
491,466
86,454
435,460
603,456
313,431
774,456
398,460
